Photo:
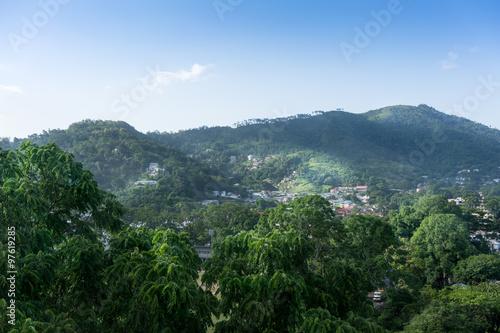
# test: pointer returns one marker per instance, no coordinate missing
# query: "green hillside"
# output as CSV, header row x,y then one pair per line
x,y
302,153
118,156
398,143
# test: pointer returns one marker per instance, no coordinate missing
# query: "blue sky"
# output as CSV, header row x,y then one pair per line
x,y
177,64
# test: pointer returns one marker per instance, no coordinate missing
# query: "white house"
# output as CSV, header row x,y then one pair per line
x,y
145,182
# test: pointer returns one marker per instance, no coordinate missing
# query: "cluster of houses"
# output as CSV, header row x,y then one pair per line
x,y
145,182
462,178
225,194
490,237
345,207
154,171
341,198
221,195
255,161
336,196
287,181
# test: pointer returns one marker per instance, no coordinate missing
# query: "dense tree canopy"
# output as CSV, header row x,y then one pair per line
x,y
407,220
153,285
460,309
476,269
367,243
61,220
265,285
86,264
312,215
441,241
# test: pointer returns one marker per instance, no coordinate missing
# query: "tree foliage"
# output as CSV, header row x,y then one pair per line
x,y
407,220
312,215
369,241
154,285
61,220
441,241
476,269
265,284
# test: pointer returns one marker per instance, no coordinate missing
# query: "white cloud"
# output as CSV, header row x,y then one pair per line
x,y
196,71
450,61
10,89
474,49
165,78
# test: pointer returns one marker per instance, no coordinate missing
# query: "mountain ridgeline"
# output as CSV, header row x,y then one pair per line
x,y
399,144
118,156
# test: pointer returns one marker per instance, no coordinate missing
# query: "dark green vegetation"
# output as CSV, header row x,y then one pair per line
x,y
118,156
80,269
88,261
398,143
392,147
294,268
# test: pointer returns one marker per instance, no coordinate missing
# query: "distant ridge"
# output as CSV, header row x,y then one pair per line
x,y
398,143
394,142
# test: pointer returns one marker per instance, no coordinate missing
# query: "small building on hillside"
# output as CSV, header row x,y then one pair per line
x,y
204,252
459,201
146,182
209,202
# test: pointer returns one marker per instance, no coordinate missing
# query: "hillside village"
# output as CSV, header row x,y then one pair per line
x,y
345,200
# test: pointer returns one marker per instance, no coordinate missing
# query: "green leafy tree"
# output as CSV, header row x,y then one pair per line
x,y
437,319
379,193
441,241
154,285
229,219
407,220
398,308
476,269
262,205
265,284
321,321
312,215
368,240
473,309
492,203
480,305
61,220
195,225
406,293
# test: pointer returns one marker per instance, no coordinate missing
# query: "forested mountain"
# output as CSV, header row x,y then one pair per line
x,y
118,155
302,153
395,143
